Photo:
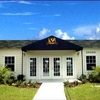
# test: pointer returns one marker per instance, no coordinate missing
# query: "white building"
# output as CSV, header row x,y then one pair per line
x,y
50,58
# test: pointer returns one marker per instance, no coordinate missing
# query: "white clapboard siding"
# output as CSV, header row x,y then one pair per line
x,y
90,52
12,52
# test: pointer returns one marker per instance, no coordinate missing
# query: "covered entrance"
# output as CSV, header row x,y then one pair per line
x,y
50,58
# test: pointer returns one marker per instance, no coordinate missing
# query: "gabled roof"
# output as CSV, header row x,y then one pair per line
x,y
52,43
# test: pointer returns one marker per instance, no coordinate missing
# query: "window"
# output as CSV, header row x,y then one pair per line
x,y
45,66
90,62
10,62
32,66
69,66
56,62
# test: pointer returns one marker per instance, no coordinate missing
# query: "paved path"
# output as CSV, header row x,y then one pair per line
x,y
50,91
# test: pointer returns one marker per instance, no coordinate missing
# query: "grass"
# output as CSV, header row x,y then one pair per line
x,y
83,92
15,93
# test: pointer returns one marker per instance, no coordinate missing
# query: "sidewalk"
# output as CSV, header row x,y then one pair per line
x,y
50,91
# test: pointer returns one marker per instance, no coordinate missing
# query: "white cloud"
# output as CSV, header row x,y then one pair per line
x,y
83,30
91,38
59,33
25,2
89,32
97,32
55,15
63,35
32,28
18,14
98,29
43,33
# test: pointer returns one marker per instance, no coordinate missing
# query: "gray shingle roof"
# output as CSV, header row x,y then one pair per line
x,y
21,43
14,43
87,43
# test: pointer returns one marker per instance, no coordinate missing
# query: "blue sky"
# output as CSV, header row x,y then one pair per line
x,y
31,20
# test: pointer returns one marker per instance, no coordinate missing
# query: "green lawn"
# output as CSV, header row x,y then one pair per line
x,y
87,91
15,93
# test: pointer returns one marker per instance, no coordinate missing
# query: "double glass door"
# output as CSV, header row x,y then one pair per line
x,y
51,67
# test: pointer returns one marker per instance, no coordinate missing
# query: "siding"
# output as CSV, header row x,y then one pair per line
x,y
12,52
78,64
90,52
54,53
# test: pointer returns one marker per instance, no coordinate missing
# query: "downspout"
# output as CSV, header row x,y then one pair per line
x,y
82,60
22,64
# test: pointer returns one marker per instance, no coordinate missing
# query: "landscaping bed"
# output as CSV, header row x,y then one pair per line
x,y
29,84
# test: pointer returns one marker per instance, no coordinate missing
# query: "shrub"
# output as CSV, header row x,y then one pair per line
x,y
95,75
83,81
29,82
6,76
10,78
66,83
25,84
82,78
18,83
34,84
21,77
75,83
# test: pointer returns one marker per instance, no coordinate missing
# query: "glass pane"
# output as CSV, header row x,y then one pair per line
x,y
69,66
87,60
32,66
87,57
12,59
5,59
94,57
56,66
45,66
89,66
8,62
90,57
94,61
91,63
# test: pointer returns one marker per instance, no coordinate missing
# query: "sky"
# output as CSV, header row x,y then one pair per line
x,y
35,20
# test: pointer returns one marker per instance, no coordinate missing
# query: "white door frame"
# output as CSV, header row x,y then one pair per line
x,y
46,72
73,63
32,77
51,68
58,76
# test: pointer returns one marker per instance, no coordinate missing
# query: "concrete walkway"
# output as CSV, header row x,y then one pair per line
x,y
50,91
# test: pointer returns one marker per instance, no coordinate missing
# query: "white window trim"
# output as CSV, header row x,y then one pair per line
x,y
86,63
74,67
36,68
9,56
28,67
